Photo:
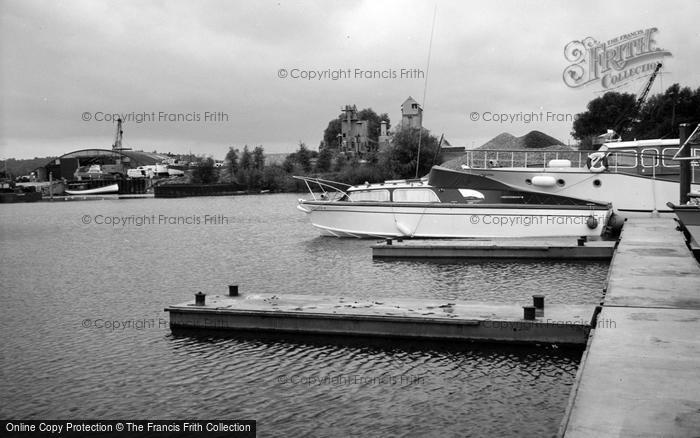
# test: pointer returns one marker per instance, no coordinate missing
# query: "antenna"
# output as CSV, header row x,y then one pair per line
x,y
425,89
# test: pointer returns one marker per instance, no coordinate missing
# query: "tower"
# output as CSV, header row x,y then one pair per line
x,y
411,114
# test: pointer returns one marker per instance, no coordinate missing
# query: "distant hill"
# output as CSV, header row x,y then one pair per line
x,y
21,167
531,140
272,159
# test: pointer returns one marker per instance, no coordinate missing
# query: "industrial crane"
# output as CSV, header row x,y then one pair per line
x,y
627,118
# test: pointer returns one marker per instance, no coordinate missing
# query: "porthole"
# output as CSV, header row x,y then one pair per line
x,y
528,182
561,182
597,183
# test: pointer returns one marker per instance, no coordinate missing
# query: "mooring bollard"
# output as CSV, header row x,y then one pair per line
x,y
233,290
538,302
199,298
582,240
529,313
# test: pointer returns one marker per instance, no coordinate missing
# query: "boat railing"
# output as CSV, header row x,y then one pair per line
x,y
620,161
330,190
486,158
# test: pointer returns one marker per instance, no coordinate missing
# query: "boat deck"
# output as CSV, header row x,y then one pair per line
x,y
640,375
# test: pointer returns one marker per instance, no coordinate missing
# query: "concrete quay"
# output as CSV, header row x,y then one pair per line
x,y
640,375
385,318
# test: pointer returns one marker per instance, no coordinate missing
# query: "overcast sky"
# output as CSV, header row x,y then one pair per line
x,y
67,65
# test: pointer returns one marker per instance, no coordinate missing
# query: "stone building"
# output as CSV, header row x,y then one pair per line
x,y
354,132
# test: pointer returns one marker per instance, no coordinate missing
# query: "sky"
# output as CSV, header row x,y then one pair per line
x,y
200,77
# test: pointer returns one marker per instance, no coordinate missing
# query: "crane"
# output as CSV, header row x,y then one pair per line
x,y
627,118
118,136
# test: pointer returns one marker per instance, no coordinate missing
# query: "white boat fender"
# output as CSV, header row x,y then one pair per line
x,y
559,163
403,229
592,222
544,181
597,162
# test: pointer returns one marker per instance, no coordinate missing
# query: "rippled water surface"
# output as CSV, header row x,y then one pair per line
x,y
57,272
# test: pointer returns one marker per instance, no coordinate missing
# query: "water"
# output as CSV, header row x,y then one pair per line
x,y
57,272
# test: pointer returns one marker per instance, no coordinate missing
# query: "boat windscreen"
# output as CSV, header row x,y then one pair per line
x,y
448,178
415,195
369,195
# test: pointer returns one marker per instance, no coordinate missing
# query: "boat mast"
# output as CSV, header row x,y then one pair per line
x,y
425,89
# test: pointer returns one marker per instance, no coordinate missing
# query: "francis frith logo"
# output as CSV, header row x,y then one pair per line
x,y
614,62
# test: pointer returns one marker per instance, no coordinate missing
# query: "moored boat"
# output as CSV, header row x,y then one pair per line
x,y
632,175
445,206
78,190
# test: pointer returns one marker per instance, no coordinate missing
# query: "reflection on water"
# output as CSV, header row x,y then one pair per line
x,y
59,272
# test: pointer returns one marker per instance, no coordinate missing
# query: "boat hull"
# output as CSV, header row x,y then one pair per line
x,y
626,192
436,220
112,188
688,215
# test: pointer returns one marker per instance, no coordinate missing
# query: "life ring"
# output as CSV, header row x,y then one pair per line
x,y
597,162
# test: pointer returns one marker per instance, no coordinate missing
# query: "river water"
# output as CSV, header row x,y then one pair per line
x,y
84,334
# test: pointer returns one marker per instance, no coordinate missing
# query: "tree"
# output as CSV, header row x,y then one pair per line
x,y
325,157
258,157
246,161
205,173
303,157
661,114
289,163
399,161
605,112
374,122
275,178
232,161
340,162
330,135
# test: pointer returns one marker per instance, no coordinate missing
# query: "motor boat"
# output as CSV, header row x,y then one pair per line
x,y
449,204
639,176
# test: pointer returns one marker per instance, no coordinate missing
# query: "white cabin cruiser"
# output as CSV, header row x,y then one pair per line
x,y
447,206
632,175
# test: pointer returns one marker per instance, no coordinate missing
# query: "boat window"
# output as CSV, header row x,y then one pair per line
x,y
415,195
624,158
666,156
380,195
472,195
650,157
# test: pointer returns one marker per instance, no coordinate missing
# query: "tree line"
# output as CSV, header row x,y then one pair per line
x,y
248,168
658,117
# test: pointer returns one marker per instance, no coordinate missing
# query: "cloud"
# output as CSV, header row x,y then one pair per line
x,y
61,59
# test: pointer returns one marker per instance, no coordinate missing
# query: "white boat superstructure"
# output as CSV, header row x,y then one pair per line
x,y
448,209
633,175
